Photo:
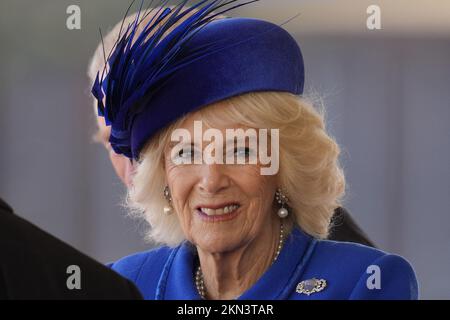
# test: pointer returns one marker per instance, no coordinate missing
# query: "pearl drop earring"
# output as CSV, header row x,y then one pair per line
x,y
168,209
282,199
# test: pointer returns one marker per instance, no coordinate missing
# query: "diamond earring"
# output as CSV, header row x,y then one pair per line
x,y
282,200
168,209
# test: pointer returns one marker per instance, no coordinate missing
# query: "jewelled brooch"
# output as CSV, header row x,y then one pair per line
x,y
311,286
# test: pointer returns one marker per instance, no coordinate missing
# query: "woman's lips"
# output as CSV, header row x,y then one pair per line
x,y
218,214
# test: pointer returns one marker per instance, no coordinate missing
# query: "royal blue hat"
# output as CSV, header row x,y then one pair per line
x,y
155,80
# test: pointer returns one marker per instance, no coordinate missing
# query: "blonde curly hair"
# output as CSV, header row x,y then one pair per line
x,y
309,170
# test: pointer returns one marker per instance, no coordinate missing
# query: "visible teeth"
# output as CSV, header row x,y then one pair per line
x,y
220,211
208,211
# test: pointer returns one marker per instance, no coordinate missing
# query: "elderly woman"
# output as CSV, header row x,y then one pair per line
x,y
232,167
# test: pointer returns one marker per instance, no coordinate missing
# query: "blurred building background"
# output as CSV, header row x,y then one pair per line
x,y
387,94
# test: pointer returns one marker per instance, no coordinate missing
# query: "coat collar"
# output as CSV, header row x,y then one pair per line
x,y
177,279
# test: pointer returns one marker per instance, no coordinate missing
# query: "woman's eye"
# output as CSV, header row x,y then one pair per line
x,y
185,153
242,152
189,155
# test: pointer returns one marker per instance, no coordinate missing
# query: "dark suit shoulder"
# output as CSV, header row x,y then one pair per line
x,y
5,208
37,265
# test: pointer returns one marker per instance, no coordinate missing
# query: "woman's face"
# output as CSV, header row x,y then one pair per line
x,y
220,206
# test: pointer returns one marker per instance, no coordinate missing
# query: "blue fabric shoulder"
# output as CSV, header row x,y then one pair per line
x,y
143,269
359,272
396,281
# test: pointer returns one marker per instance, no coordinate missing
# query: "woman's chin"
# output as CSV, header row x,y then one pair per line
x,y
215,233
217,242
218,247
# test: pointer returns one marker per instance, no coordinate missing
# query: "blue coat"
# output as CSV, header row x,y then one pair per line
x,y
351,271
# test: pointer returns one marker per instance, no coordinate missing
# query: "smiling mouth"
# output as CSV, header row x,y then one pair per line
x,y
219,212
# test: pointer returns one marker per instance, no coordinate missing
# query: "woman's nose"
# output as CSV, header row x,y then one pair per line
x,y
214,178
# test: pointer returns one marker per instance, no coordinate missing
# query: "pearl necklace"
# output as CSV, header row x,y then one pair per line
x,y
200,283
